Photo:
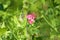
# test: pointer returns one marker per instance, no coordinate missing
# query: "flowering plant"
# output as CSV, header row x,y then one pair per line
x,y
29,19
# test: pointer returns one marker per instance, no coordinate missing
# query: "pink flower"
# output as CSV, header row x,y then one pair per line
x,y
31,18
31,21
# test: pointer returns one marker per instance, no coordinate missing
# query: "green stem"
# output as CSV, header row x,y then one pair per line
x,y
25,11
49,23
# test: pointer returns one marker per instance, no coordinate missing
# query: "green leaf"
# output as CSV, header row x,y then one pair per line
x,y
58,1
2,31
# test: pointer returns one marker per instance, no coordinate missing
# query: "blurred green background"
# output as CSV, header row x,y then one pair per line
x,y
14,24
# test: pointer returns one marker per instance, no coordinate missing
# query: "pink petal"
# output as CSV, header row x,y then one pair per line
x,y
31,16
31,21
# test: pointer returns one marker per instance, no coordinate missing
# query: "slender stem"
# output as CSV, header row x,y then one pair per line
x,y
49,23
25,11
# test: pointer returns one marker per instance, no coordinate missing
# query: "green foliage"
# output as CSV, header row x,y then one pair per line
x,y
14,24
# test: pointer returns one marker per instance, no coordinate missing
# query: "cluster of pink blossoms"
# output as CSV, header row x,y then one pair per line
x,y
31,18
